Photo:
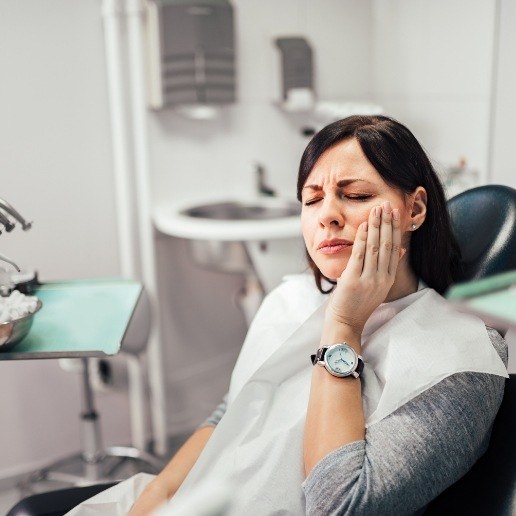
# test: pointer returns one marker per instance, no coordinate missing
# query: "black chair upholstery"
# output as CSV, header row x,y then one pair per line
x,y
484,224
56,503
489,488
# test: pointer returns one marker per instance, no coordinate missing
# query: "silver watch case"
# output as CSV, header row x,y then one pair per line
x,y
353,372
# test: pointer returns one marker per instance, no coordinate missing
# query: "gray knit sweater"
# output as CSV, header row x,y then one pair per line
x,y
413,454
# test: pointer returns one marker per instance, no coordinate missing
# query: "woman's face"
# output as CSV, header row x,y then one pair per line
x,y
337,197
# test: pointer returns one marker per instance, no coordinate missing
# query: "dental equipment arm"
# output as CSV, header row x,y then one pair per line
x,y
4,205
9,226
5,259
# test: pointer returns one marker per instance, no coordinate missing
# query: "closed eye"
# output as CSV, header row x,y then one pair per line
x,y
351,197
358,197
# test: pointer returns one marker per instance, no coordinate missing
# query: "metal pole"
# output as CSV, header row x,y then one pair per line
x,y
135,15
92,450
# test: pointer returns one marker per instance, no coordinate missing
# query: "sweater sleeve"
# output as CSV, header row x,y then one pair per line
x,y
216,415
415,453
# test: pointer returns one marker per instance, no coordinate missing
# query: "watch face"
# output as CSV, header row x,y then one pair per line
x,y
341,359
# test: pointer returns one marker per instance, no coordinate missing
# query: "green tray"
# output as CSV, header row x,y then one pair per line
x,y
79,319
492,298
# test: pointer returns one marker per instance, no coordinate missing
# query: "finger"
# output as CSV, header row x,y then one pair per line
x,y
356,260
397,253
373,242
385,247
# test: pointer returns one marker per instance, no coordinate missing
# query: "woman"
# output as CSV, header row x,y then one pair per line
x,y
388,416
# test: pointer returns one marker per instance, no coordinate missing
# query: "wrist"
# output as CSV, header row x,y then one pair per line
x,y
341,332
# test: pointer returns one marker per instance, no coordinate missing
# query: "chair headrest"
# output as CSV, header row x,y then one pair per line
x,y
484,224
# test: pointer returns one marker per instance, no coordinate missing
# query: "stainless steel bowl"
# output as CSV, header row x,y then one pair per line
x,y
12,332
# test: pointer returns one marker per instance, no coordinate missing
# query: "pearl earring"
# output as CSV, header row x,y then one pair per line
x,y
414,227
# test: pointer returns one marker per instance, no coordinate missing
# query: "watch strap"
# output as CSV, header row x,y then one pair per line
x,y
319,355
360,367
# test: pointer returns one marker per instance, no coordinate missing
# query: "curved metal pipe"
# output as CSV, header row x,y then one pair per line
x,y
5,259
9,209
9,226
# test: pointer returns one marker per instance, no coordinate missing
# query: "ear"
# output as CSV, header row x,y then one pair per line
x,y
418,209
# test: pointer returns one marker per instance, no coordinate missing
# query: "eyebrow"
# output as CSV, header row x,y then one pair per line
x,y
340,184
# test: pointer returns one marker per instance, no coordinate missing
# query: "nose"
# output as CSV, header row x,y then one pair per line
x,y
331,213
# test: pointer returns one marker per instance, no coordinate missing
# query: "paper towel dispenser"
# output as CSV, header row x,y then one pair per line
x,y
191,53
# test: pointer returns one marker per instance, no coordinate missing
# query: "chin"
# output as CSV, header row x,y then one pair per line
x,y
333,271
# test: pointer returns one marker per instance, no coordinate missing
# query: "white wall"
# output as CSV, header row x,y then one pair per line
x,y
504,113
432,67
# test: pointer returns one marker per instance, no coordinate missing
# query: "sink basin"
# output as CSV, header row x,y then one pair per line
x,y
258,237
237,210
242,220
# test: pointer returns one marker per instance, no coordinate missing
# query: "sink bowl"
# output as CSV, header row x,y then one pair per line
x,y
240,220
238,210
258,237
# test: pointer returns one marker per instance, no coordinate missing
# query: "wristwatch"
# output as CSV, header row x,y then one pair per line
x,y
339,360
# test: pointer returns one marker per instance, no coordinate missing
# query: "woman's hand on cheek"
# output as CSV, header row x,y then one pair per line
x,y
370,272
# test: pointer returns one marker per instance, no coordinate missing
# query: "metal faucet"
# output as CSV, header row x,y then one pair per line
x,y
263,189
4,205
6,283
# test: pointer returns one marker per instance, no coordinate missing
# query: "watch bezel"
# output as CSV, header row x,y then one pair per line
x,y
328,368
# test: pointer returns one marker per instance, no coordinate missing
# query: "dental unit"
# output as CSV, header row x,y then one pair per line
x,y
5,206
8,280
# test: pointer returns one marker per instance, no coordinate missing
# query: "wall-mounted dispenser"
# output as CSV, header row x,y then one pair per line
x,y
191,55
297,74
298,92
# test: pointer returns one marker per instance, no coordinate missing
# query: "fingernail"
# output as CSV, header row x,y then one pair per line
x,y
387,206
402,252
364,225
378,211
396,214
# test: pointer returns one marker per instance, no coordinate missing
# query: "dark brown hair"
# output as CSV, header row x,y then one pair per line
x,y
403,164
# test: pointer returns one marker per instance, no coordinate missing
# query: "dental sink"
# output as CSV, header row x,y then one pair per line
x,y
242,220
238,210
259,237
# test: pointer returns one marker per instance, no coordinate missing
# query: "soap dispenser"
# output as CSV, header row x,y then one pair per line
x,y
297,74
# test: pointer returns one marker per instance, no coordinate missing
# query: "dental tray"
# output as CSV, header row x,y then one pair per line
x,y
79,319
493,299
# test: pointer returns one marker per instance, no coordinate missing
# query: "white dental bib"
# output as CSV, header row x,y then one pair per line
x,y
408,346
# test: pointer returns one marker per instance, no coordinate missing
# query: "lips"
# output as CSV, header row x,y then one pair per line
x,y
334,246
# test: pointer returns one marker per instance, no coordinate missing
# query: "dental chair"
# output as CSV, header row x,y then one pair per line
x,y
484,223
489,488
